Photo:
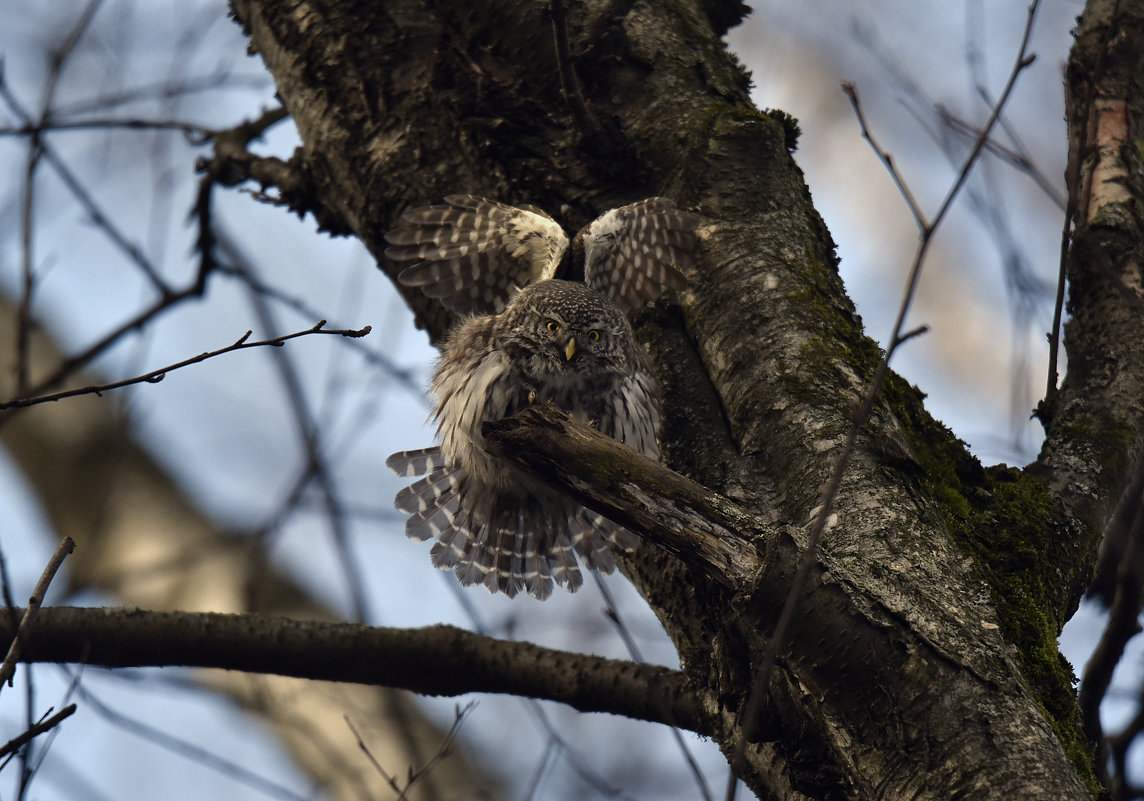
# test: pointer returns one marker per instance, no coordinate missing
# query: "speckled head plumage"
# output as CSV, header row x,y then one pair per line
x,y
563,327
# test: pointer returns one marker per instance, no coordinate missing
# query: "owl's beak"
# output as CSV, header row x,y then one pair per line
x,y
570,348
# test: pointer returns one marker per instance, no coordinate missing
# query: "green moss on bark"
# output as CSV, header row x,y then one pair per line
x,y
1019,538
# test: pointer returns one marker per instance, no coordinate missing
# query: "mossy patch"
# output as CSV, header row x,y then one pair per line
x,y
1019,536
790,125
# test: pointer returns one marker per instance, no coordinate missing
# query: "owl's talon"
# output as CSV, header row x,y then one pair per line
x,y
531,397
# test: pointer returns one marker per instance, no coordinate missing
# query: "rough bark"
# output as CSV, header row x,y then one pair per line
x,y
925,665
141,540
1095,435
438,660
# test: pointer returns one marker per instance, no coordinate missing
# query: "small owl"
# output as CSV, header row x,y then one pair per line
x,y
530,338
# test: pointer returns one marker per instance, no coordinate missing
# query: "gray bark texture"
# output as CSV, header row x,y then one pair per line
x,y
924,663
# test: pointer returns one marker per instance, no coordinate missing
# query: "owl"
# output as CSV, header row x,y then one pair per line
x,y
528,337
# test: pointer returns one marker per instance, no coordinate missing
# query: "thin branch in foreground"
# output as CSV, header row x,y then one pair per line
x,y
443,750
35,731
155,376
887,160
76,362
8,668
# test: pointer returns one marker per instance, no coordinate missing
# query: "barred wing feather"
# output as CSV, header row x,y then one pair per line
x,y
473,254
633,254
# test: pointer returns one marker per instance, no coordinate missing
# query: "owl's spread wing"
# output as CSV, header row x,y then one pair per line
x,y
475,253
631,254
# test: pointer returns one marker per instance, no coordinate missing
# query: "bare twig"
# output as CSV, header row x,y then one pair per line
x,y
35,731
8,668
985,199
155,376
76,362
191,129
443,750
887,160
39,149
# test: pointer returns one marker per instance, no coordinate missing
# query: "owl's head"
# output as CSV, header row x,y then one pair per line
x,y
559,327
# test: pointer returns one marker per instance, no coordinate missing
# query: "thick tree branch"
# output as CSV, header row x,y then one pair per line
x,y
1095,437
683,518
438,660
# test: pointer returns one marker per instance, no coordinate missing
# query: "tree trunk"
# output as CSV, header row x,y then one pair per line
x,y
925,663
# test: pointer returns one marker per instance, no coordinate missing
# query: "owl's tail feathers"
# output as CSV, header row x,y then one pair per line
x,y
416,463
590,532
505,548
493,559
505,553
534,570
431,504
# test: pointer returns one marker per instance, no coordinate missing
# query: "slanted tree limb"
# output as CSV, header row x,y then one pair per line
x,y
685,519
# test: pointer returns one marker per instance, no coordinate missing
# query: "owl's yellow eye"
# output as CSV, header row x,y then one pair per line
x,y
552,326
594,335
